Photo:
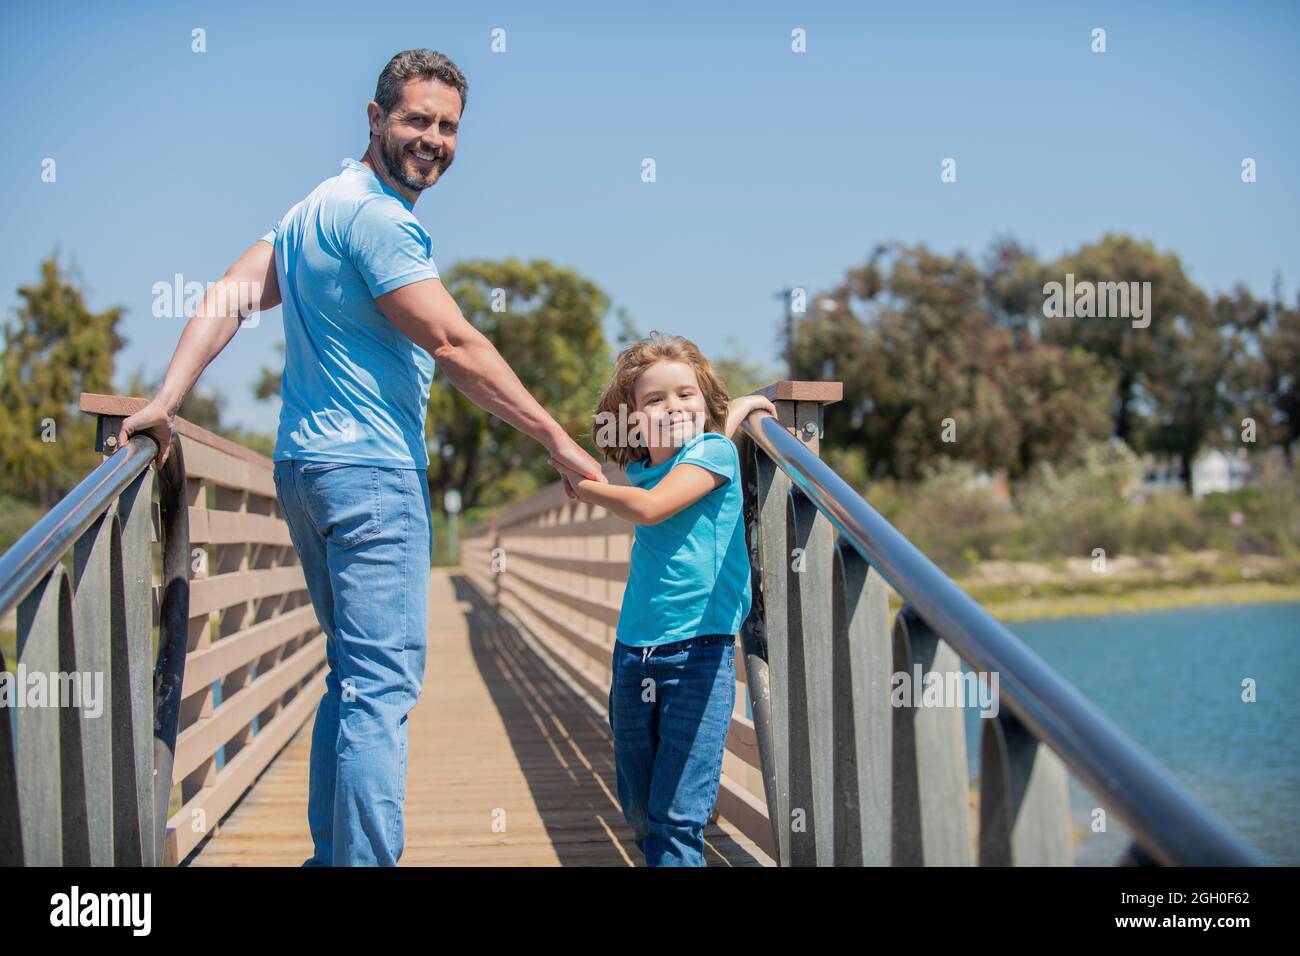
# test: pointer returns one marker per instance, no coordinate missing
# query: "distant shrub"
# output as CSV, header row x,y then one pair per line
x,y
1222,504
1168,522
1068,509
16,518
1270,517
1074,508
954,515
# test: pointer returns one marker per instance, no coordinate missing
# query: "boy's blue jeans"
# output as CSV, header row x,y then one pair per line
x,y
670,712
362,533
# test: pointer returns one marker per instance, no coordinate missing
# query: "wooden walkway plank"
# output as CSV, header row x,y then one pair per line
x,y
507,765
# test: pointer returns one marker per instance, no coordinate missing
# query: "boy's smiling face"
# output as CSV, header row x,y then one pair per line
x,y
668,395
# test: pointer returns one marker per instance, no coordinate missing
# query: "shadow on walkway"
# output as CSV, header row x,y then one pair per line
x,y
564,748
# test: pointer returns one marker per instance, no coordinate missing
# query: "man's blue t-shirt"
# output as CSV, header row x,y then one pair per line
x,y
354,389
689,574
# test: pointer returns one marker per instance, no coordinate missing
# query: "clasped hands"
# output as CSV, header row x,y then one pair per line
x,y
574,464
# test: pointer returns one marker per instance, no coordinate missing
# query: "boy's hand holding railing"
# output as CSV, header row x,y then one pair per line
x,y
738,410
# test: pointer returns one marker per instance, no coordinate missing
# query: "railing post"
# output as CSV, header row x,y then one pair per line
x,y
98,623
44,635
789,671
174,625
861,658
130,670
931,815
11,833
1024,798
173,639
764,638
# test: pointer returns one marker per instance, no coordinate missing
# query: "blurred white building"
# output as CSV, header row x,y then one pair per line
x,y
1212,470
1215,470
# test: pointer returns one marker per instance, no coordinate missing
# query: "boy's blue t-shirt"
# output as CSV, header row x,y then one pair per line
x,y
689,574
354,389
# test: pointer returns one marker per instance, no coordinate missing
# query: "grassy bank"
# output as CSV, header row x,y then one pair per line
x,y
1033,591
1081,605
1034,608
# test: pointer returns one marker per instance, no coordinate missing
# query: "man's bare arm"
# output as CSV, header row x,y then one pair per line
x,y
250,285
427,314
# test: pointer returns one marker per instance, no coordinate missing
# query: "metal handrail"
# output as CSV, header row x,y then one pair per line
x,y
37,552
1164,819
30,557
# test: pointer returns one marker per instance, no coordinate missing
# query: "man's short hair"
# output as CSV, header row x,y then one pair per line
x,y
424,64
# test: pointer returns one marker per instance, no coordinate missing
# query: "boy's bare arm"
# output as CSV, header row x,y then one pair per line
x,y
739,408
684,485
622,500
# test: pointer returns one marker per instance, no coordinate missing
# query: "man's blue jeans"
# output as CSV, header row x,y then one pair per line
x,y
670,711
362,534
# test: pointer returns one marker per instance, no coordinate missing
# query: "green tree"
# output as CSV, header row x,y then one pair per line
x,y
56,349
1280,352
1189,403
268,382
1152,367
933,367
1263,383
1060,400
1013,287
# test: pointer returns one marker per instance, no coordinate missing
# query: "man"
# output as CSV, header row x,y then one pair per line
x,y
365,318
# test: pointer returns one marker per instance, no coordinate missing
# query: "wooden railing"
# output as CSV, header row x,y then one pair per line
x,y
254,672
247,673
87,747
822,767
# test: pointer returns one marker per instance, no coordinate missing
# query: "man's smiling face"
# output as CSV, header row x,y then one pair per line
x,y
418,138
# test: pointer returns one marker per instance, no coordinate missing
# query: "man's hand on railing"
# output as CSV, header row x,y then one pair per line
x,y
154,419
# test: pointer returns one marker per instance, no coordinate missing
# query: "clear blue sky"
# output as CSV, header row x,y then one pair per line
x,y
774,169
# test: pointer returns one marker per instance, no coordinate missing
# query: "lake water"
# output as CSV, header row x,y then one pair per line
x,y
1173,681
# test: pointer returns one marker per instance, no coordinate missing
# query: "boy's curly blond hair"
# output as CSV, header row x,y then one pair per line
x,y
635,359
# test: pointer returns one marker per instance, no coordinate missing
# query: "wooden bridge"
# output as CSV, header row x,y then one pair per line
x,y
508,764
195,609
